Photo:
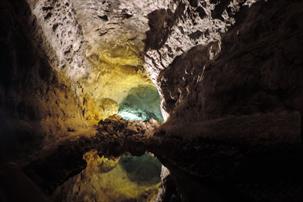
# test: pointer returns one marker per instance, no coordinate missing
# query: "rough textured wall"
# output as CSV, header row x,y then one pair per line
x,y
257,74
210,59
87,42
174,32
258,69
35,102
88,39
98,46
61,30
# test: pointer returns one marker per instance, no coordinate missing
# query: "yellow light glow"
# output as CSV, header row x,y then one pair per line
x,y
117,68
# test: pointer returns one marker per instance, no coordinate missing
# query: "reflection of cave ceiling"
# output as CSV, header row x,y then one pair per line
x,y
114,180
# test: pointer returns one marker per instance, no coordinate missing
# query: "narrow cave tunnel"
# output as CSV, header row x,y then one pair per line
x,y
151,100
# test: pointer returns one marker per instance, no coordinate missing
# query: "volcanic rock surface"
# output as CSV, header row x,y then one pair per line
x,y
229,77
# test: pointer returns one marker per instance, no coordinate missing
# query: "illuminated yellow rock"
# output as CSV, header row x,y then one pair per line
x,y
108,107
116,69
92,112
121,54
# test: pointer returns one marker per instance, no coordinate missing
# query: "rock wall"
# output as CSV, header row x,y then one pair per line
x,y
36,103
257,71
180,29
89,39
61,30
98,46
229,73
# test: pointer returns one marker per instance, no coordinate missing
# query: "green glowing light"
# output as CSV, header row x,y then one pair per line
x,y
130,116
141,103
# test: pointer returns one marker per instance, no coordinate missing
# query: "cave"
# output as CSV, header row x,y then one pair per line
x,y
151,100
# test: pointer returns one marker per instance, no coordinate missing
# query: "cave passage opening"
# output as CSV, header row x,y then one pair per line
x,y
141,103
119,85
